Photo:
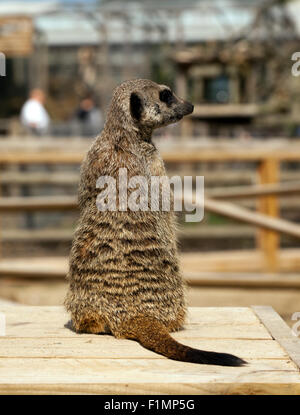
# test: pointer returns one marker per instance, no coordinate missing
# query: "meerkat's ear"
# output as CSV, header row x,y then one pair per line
x,y
136,106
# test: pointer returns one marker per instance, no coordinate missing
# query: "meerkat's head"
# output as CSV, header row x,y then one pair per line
x,y
148,105
155,106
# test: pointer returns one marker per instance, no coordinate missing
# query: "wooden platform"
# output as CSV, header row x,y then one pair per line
x,y
40,355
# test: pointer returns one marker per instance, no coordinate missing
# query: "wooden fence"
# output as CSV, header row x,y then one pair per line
x,y
268,159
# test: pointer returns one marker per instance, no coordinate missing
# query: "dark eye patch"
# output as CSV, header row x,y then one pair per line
x,y
166,96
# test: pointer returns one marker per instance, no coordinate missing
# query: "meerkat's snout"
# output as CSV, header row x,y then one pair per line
x,y
188,108
184,108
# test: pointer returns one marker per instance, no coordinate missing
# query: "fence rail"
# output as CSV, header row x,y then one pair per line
x,y
268,160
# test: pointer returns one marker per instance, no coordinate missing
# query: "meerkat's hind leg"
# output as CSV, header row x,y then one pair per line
x,y
178,323
90,323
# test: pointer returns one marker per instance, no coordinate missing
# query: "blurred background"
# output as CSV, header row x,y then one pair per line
x,y
233,59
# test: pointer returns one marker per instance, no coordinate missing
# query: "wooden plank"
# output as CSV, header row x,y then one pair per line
x,y
8,303
215,231
245,177
141,375
196,315
202,330
16,204
193,234
50,157
181,155
273,144
54,234
237,261
228,155
246,280
262,388
30,144
33,178
238,213
107,347
49,267
268,239
37,235
279,331
30,203
1,242
240,192
204,323
235,192
224,315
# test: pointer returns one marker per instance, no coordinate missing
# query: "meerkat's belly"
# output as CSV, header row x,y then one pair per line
x,y
128,265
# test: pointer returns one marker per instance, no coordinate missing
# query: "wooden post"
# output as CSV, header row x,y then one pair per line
x,y
186,129
1,250
269,241
181,91
0,224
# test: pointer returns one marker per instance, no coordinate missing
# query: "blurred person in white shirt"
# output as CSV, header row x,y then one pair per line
x,y
35,120
34,116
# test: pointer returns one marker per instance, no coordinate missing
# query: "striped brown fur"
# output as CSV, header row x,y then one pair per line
x,y
124,275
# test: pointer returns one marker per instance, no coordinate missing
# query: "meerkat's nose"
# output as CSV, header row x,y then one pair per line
x,y
188,107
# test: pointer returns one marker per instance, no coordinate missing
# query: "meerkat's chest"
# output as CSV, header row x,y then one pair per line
x,y
156,165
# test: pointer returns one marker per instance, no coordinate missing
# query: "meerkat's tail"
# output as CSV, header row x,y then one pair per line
x,y
152,335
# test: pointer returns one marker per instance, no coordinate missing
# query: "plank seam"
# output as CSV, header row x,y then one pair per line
x,y
279,331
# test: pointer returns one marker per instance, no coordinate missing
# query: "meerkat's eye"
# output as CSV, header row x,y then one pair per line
x,y
166,96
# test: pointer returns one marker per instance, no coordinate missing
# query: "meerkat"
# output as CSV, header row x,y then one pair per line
x,y
124,276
